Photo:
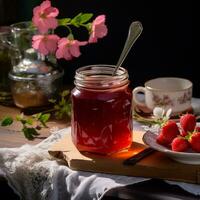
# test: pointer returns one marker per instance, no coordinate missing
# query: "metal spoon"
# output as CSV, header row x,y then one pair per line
x,y
135,30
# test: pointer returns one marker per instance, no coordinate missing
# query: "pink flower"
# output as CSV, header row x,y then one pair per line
x,y
44,17
68,49
45,44
99,29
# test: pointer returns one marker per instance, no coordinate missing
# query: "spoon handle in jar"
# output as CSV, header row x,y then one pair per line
x,y
135,30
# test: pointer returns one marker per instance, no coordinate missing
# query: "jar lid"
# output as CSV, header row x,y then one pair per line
x,y
31,68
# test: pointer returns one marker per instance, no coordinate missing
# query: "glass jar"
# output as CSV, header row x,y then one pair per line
x,y
5,65
35,78
101,110
35,86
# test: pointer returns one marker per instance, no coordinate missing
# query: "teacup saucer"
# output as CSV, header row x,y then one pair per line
x,y
145,112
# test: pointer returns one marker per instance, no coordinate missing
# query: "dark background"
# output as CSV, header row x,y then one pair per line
x,y
165,47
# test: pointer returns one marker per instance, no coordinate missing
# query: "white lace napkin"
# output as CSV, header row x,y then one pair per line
x,y
33,174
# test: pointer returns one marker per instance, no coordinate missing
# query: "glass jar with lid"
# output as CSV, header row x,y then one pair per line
x,y
101,110
35,78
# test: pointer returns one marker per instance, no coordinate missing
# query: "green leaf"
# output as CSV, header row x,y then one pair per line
x,y
57,107
75,24
52,100
65,93
29,121
62,102
37,116
59,115
6,121
29,133
85,17
80,19
23,121
77,17
20,117
45,117
76,20
63,22
88,26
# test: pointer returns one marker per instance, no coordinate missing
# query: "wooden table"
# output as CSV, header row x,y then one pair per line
x,y
11,136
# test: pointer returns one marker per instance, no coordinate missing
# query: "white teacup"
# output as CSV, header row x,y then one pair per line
x,y
165,92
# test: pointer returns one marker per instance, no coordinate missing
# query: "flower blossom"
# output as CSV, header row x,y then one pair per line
x,y
45,44
99,29
69,48
159,118
44,17
160,113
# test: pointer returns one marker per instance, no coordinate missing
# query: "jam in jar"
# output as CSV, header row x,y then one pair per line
x,y
101,110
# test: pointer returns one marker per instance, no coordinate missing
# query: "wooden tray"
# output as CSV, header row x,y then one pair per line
x,y
156,165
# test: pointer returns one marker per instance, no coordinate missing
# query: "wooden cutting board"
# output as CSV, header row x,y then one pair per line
x,y
156,165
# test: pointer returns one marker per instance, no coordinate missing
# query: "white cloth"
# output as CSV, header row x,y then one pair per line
x,y
34,174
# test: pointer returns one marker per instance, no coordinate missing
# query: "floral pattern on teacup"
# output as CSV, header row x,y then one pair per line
x,y
162,101
186,97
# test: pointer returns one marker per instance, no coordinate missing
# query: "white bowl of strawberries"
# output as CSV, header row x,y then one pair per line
x,y
180,141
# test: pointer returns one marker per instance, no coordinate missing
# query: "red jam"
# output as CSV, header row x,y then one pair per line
x,y
102,119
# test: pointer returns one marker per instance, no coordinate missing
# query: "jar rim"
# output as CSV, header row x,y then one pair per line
x,y
100,76
18,77
24,25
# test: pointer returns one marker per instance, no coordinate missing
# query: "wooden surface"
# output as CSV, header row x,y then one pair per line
x,y
156,165
12,136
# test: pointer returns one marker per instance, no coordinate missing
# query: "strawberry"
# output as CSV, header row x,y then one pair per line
x,y
183,133
168,132
195,141
188,122
197,128
161,139
180,144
